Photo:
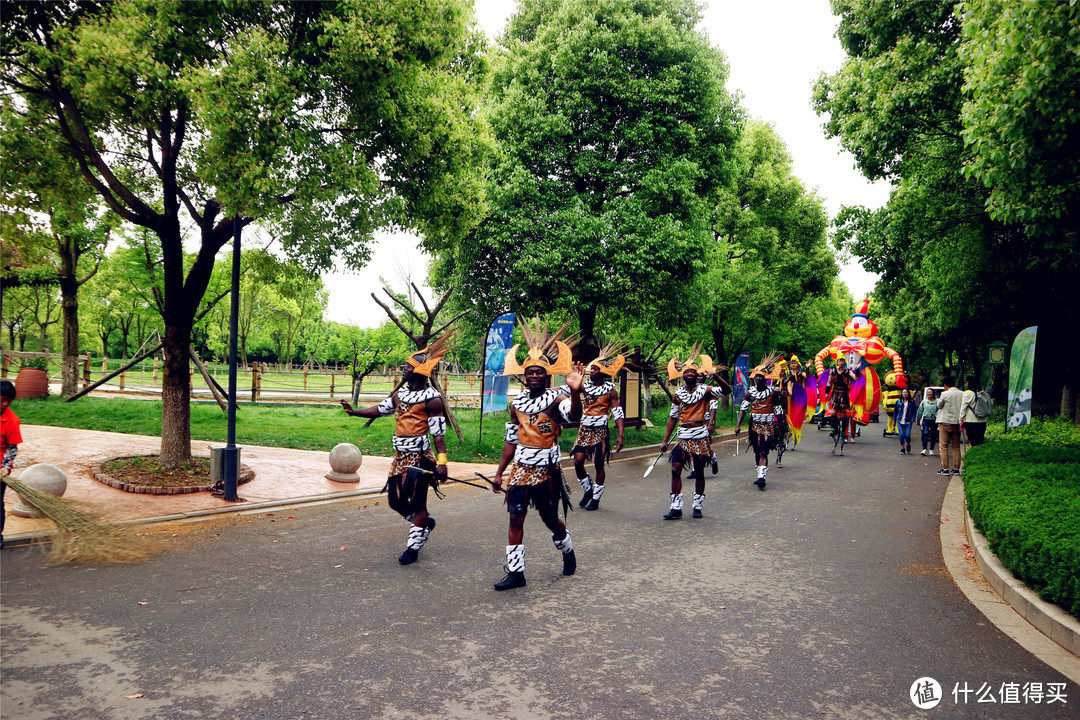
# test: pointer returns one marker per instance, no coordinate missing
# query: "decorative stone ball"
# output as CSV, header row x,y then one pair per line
x,y
44,477
345,460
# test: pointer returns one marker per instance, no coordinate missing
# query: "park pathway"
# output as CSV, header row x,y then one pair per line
x,y
823,597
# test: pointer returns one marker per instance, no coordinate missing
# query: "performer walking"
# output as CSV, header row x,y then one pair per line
x,y
419,411
599,399
763,401
531,449
689,407
839,391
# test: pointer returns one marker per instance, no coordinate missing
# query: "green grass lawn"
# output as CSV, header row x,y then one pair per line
x,y
305,427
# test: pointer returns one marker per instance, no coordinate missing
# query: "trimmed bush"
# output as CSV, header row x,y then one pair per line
x,y
1023,493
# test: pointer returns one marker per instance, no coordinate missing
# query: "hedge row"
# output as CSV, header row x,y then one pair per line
x,y
1023,493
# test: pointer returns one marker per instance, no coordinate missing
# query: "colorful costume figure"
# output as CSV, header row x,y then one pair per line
x,y
689,407
531,449
418,409
890,393
762,401
861,348
838,388
799,385
599,400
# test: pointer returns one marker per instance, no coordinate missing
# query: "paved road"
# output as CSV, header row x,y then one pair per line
x,y
823,597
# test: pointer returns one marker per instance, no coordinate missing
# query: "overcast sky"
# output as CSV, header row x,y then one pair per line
x,y
775,51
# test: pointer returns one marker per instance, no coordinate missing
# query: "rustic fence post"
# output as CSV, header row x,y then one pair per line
x,y
254,381
86,372
331,386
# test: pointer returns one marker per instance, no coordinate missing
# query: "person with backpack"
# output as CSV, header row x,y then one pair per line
x,y
926,416
976,408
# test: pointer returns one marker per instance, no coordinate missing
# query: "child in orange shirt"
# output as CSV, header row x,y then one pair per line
x,y
10,437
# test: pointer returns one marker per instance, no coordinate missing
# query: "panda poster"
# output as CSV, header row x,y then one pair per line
x,y
1021,371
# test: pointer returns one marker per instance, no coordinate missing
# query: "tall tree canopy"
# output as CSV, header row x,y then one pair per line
x,y
957,275
614,131
770,257
322,120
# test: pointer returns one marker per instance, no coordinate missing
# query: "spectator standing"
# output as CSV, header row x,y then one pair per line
x,y
976,411
948,419
10,437
927,417
904,414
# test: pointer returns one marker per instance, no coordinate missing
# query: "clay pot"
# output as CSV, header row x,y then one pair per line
x,y
31,383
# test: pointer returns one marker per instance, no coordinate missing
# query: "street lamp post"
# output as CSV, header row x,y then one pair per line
x,y
231,455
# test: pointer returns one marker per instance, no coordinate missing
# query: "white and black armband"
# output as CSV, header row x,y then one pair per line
x,y
386,407
674,411
617,413
436,425
511,433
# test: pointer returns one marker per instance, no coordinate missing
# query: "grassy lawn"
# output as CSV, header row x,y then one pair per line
x,y
305,427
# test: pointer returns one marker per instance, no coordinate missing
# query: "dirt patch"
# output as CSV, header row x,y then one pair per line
x,y
144,474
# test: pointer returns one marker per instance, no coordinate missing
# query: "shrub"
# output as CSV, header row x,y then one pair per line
x,y
1023,493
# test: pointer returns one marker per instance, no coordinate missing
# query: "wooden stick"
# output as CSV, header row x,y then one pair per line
x,y
110,376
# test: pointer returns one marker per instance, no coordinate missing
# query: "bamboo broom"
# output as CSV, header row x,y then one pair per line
x,y
79,535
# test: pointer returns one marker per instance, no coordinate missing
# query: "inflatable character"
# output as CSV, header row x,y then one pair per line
x,y
862,349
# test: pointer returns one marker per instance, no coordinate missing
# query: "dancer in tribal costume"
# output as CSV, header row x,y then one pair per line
x,y
763,402
689,407
784,394
839,391
531,450
418,408
599,399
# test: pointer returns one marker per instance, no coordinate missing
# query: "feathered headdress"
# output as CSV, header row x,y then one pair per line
x,y
675,367
768,367
608,361
424,362
550,351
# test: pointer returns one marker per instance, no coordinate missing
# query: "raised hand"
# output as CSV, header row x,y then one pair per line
x,y
576,379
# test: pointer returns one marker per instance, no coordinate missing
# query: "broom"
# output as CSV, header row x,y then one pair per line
x,y
80,536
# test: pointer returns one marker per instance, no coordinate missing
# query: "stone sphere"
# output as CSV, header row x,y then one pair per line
x,y
345,460
44,477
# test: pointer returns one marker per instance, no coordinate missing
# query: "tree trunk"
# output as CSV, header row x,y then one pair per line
x,y
587,324
70,307
175,397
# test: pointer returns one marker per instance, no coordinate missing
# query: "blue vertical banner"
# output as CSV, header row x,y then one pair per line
x,y
1021,375
742,370
500,338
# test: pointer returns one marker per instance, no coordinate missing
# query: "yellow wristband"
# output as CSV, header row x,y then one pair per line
x,y
440,459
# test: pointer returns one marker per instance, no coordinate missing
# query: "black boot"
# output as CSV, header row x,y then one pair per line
x,y
586,498
569,564
409,556
673,514
511,581
594,505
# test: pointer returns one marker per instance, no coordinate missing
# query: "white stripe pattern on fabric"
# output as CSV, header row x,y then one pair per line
x,y
536,456
752,393
566,544
692,433
436,425
411,443
386,407
412,397
515,558
617,413
511,433
417,538
530,405
591,421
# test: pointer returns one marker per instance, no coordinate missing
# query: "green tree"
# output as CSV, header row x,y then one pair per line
x,y
950,272
1021,112
613,126
770,253
324,120
47,204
